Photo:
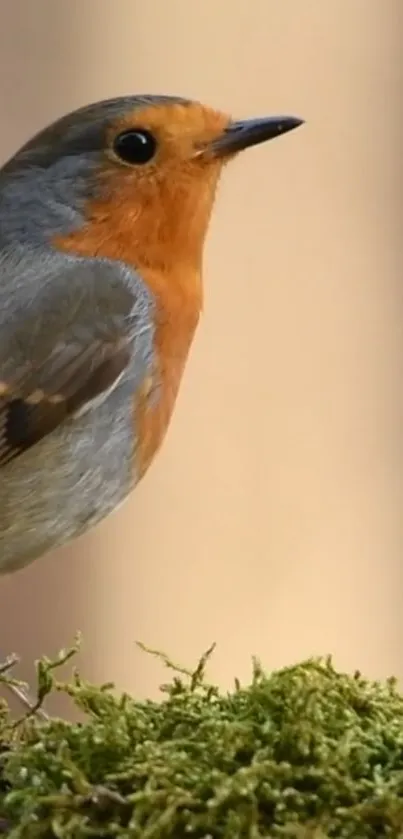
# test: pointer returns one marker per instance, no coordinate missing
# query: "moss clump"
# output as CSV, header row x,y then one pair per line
x,y
303,752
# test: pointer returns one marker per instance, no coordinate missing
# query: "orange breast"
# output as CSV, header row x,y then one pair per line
x,y
178,295
176,320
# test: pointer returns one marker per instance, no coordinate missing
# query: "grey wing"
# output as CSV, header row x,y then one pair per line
x,y
67,350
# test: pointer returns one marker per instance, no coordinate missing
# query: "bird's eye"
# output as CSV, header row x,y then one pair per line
x,y
136,146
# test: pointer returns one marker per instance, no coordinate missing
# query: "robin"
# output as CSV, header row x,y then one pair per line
x,y
103,218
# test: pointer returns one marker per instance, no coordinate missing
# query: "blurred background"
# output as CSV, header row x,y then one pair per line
x,y
271,522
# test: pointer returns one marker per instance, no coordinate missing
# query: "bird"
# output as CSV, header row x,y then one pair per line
x,y
103,219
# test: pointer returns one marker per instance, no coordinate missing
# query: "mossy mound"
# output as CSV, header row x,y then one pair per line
x,y
303,752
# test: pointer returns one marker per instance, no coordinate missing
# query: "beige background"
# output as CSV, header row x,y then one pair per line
x,y
272,520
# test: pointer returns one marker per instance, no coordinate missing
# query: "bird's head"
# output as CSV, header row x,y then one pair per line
x,y
141,170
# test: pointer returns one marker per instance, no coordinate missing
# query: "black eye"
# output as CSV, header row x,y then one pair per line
x,y
136,146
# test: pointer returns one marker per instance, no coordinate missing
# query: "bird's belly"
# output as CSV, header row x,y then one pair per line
x,y
67,483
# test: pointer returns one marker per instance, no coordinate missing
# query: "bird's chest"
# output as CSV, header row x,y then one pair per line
x,y
155,401
75,477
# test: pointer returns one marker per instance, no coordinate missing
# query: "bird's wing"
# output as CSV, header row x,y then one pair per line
x,y
65,345
38,398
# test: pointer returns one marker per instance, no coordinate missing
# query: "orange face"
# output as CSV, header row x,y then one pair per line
x,y
156,178
156,213
181,131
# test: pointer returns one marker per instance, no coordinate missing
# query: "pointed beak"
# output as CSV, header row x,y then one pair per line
x,y
250,132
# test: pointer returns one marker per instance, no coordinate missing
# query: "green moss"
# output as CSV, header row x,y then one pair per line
x,y
303,752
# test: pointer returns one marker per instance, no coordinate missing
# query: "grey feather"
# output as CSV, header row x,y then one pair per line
x,y
84,469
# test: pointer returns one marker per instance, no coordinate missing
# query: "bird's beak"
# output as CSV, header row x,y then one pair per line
x,y
240,135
